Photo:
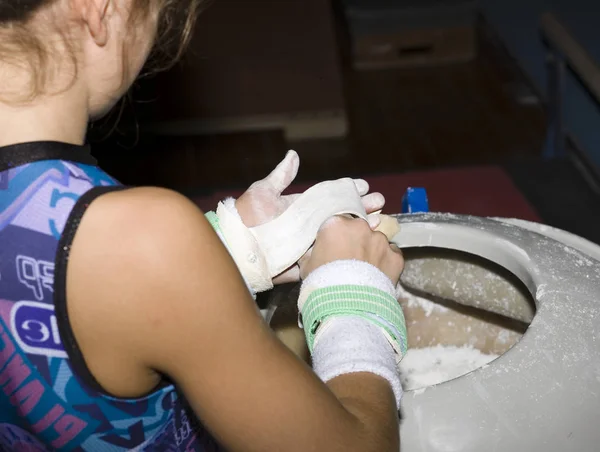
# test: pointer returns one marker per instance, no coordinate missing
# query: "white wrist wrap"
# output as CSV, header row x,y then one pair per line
x,y
353,321
353,344
265,251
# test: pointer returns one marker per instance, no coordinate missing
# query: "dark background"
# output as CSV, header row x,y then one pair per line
x,y
377,88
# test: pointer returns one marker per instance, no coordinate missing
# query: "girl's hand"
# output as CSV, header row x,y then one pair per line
x,y
264,201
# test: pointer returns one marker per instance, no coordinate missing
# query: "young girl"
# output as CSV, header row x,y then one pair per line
x,y
124,321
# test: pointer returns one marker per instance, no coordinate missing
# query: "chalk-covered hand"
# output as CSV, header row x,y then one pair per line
x,y
264,201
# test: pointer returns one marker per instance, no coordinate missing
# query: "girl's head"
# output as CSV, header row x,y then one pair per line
x,y
95,48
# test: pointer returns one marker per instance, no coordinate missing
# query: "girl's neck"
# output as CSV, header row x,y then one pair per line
x,y
60,117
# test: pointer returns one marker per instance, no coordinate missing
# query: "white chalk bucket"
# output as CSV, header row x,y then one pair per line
x,y
544,392
478,386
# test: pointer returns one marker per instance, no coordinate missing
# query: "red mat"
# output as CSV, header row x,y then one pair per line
x,y
481,191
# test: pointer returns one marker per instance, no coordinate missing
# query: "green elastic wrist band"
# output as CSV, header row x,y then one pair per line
x,y
350,300
213,219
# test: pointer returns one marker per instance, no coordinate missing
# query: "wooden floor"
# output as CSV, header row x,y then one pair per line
x,y
400,120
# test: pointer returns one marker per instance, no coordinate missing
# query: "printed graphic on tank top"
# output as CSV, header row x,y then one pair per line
x,y
48,398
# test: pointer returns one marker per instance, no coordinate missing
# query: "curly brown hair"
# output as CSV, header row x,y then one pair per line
x,y
26,48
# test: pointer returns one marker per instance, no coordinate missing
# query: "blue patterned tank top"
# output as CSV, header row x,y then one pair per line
x,y
49,400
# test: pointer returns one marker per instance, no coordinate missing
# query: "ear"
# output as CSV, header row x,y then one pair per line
x,y
94,14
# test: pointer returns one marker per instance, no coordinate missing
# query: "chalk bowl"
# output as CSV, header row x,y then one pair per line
x,y
462,312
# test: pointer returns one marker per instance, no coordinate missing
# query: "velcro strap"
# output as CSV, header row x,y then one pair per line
x,y
363,301
214,221
245,249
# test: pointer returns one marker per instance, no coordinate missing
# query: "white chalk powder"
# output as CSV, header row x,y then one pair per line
x,y
422,367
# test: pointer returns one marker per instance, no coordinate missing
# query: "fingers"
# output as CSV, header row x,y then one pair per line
x,y
362,186
302,263
399,257
395,248
373,202
374,221
306,256
285,172
352,239
291,275
331,221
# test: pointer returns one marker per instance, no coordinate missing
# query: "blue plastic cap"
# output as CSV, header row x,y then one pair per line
x,y
415,200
